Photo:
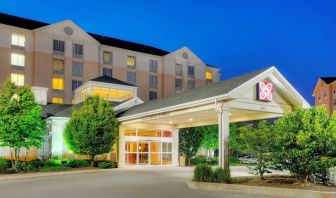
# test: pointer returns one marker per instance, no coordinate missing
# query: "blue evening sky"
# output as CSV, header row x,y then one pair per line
x,y
297,36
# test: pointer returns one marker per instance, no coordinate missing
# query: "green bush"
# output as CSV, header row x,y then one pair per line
x,y
36,163
203,173
221,176
4,165
106,164
74,163
198,160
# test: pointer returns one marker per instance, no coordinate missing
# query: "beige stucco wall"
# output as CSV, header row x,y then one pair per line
x,y
39,57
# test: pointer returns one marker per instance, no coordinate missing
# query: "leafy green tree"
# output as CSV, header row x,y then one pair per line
x,y
306,143
258,141
237,147
21,125
92,129
190,140
210,138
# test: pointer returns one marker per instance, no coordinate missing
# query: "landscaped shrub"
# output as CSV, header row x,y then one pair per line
x,y
4,165
106,164
36,163
198,160
221,176
203,173
74,163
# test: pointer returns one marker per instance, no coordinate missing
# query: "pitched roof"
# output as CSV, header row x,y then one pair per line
x,y
107,79
328,80
128,45
200,93
105,40
20,22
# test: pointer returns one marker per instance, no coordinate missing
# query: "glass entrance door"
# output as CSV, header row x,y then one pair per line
x,y
143,155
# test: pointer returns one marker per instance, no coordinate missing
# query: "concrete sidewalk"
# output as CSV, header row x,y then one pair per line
x,y
5,177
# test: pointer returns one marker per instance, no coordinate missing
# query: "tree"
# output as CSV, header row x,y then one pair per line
x,y
21,125
305,143
92,129
258,141
210,138
236,145
190,141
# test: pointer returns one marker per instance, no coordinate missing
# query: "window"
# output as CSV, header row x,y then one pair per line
x,y
131,77
191,71
107,72
58,83
178,69
17,79
153,81
76,84
77,68
153,66
131,61
57,100
152,95
178,84
208,75
335,91
18,39
58,66
107,57
325,94
58,46
77,49
17,59
191,84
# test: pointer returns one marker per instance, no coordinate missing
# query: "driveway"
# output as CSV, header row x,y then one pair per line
x,y
117,183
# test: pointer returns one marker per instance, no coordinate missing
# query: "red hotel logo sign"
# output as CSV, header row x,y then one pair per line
x,y
265,91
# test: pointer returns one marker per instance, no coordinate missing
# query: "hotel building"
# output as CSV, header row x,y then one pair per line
x,y
154,93
325,93
62,56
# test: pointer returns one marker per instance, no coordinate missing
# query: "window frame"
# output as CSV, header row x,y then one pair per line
x,y
18,43
131,75
80,69
153,81
106,71
57,48
178,72
77,50
17,81
19,59
153,66
110,60
191,68
152,95
128,61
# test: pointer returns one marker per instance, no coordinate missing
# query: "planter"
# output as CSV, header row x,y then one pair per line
x,y
260,190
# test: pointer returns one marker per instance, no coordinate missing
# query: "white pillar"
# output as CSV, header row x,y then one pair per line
x,y
175,147
223,136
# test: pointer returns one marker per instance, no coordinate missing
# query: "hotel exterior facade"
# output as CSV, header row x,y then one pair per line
x,y
62,56
154,93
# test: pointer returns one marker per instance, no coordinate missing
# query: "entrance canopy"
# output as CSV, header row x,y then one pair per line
x,y
257,95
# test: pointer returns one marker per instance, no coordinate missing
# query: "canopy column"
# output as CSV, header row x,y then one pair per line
x,y
223,136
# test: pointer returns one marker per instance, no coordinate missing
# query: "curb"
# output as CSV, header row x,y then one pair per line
x,y
47,174
259,190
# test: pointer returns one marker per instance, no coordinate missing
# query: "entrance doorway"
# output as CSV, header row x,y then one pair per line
x,y
148,152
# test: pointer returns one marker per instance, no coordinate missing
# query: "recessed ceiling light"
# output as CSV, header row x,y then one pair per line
x,y
171,122
190,119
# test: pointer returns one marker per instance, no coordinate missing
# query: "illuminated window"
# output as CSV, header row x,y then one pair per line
x,y
178,69
208,75
58,83
107,57
17,59
17,79
57,100
112,94
131,61
58,66
18,39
